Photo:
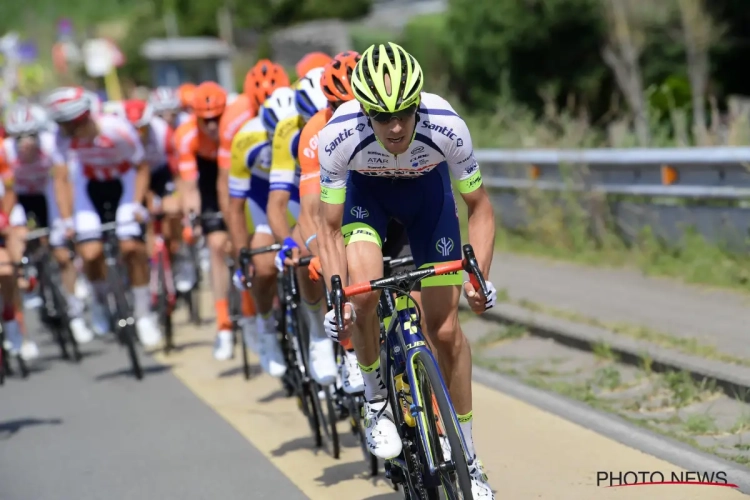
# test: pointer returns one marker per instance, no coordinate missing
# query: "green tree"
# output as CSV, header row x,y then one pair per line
x,y
531,44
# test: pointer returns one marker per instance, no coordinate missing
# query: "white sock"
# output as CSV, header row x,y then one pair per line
x,y
141,301
314,319
100,290
265,323
465,421
374,386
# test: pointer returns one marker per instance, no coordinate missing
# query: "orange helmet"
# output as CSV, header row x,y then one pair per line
x,y
337,75
311,61
209,101
262,80
186,91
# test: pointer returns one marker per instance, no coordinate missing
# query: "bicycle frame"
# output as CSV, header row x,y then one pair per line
x,y
405,343
161,254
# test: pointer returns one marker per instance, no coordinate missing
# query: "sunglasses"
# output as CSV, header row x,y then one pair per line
x,y
385,117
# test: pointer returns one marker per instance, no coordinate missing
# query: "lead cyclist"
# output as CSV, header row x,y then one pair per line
x,y
386,155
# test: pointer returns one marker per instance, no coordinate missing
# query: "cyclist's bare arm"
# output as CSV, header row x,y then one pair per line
x,y
309,218
63,190
278,201
237,224
331,242
142,180
481,226
9,200
222,191
191,197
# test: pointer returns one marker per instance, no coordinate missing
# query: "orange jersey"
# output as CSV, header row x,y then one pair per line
x,y
191,143
309,182
234,117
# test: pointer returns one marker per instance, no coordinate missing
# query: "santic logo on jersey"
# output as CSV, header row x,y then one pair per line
x,y
446,131
344,135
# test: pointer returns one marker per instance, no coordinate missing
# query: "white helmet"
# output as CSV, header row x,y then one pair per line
x,y
25,119
278,106
309,97
165,99
68,103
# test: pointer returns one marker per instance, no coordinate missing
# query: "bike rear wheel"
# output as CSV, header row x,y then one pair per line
x,y
163,308
125,323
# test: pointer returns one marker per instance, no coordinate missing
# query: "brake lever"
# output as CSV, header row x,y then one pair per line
x,y
337,301
245,261
475,275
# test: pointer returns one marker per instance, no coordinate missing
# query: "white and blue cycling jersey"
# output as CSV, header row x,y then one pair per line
x,y
414,188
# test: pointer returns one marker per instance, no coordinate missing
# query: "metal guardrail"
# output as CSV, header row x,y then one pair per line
x,y
715,173
667,190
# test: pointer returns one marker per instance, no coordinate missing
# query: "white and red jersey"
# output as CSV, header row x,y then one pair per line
x,y
159,147
114,151
28,176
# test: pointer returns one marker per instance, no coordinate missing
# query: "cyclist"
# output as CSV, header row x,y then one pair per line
x,y
158,145
336,88
198,147
248,195
25,164
108,166
311,61
400,145
165,101
284,115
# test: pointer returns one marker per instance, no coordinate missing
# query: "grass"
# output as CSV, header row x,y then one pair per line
x,y
637,332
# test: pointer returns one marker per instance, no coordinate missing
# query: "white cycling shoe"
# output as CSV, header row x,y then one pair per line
x,y
351,375
148,331
81,332
29,350
480,488
322,361
271,358
383,440
223,345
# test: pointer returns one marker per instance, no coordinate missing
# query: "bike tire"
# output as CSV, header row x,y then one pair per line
x,y
60,303
163,309
125,323
313,413
330,420
431,385
22,366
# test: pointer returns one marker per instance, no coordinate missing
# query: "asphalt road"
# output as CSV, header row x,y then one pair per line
x,y
195,429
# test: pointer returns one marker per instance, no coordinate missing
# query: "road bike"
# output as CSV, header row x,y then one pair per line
x,y
163,293
421,405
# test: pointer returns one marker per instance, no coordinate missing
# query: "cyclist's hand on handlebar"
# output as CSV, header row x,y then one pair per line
x,y
350,316
477,302
281,259
240,281
314,270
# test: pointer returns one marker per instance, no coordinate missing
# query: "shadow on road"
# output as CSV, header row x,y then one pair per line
x,y
302,443
255,370
11,427
350,470
273,396
191,345
128,372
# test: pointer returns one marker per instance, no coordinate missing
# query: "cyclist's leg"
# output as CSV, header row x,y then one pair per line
x,y
62,255
365,220
435,237
88,209
9,297
133,249
15,244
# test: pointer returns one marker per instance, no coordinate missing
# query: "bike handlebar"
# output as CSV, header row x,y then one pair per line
x,y
469,264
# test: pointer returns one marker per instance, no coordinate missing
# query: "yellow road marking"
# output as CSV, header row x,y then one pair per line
x,y
527,452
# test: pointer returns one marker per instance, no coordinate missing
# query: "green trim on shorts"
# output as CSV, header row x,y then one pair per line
x,y
359,231
451,279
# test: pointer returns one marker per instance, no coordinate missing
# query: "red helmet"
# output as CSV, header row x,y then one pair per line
x,y
311,61
266,77
209,101
336,81
138,113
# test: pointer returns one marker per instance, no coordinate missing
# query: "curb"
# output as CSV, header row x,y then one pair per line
x,y
734,380
616,428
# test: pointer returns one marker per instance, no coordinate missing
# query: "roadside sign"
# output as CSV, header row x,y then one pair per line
x,y
100,56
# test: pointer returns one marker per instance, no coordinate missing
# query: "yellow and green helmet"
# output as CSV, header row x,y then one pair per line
x,y
403,71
